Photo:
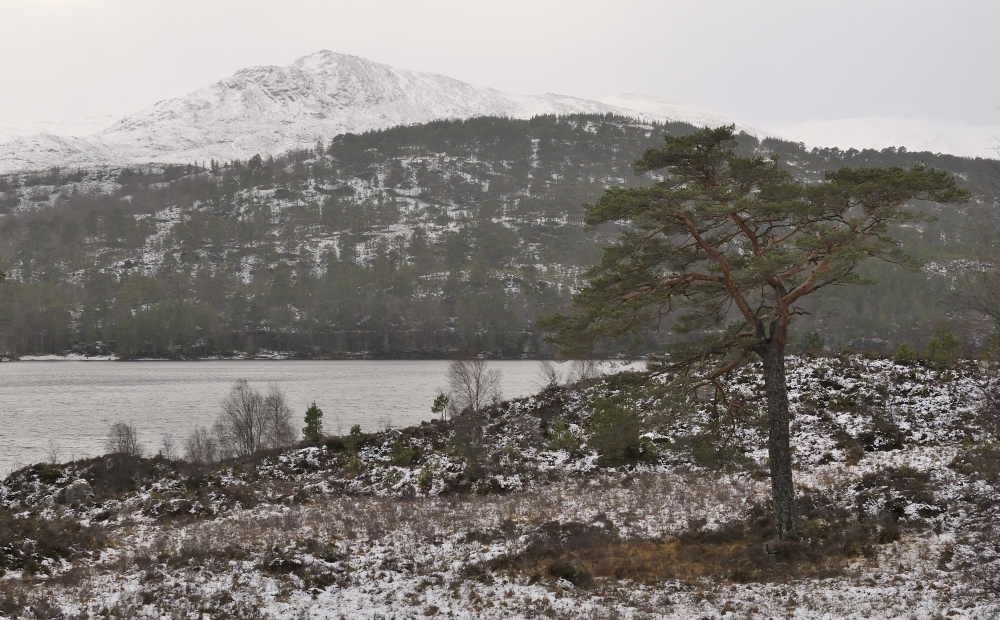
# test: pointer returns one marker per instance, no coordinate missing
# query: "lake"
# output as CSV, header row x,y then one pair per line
x,y
68,406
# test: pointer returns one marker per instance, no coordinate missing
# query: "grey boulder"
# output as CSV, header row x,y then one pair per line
x,y
76,492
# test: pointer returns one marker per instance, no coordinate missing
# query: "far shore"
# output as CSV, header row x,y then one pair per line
x,y
272,356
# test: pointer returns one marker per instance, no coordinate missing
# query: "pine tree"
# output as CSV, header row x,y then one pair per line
x,y
312,433
728,247
813,342
440,404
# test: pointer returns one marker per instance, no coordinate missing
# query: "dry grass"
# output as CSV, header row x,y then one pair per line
x,y
740,551
634,542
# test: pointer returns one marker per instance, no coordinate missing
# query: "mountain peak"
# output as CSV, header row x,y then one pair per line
x,y
270,109
324,59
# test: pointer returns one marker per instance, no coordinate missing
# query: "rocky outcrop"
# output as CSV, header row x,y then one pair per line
x,y
75,493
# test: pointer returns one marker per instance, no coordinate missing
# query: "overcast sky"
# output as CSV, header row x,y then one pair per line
x,y
760,62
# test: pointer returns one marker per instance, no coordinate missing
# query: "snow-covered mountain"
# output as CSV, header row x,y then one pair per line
x,y
914,133
661,108
272,109
75,127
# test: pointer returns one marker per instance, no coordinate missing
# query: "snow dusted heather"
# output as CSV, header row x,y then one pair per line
x,y
392,525
366,557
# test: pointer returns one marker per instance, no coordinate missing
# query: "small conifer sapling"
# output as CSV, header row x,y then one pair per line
x,y
313,430
440,404
813,342
904,354
942,347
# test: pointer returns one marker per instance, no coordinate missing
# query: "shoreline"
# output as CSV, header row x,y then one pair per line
x,y
289,357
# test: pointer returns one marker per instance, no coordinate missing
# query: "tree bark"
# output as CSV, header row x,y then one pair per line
x,y
778,448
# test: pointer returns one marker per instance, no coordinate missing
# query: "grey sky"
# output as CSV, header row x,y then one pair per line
x,y
761,62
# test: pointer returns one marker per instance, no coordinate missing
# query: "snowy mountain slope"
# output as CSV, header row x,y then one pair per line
x,y
858,133
272,109
73,127
914,134
661,108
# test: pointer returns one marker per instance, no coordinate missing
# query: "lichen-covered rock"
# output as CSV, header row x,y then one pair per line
x,y
76,492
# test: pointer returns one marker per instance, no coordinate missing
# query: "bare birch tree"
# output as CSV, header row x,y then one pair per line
x,y
251,421
473,385
123,438
242,425
279,432
201,447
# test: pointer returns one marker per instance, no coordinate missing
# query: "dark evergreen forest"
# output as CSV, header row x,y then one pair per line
x,y
411,242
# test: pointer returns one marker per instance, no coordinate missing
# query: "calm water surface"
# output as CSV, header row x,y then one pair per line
x,y
68,406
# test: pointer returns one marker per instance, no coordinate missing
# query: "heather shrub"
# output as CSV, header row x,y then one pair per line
x,y
401,454
35,545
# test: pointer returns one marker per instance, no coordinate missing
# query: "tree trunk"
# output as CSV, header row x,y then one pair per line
x,y
779,451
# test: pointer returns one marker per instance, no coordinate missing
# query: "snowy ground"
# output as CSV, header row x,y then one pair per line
x,y
372,531
373,557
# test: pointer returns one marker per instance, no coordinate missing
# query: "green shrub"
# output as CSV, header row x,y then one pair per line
x,y
402,455
359,439
813,343
942,347
614,432
904,354
50,474
711,455
562,437
426,477
354,465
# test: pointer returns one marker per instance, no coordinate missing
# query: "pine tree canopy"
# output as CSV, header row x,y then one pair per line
x,y
724,247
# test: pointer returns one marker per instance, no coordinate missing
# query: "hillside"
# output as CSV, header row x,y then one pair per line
x,y
612,498
408,242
